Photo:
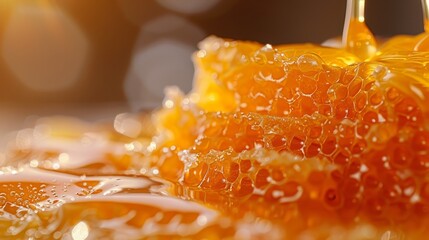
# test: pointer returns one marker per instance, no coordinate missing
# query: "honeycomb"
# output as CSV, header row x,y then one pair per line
x,y
345,138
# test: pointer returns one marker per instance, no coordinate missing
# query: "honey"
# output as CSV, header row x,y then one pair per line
x,y
290,141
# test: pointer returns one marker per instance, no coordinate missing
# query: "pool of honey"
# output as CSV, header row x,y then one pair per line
x,y
80,188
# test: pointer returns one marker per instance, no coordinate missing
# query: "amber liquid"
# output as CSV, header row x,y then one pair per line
x,y
74,189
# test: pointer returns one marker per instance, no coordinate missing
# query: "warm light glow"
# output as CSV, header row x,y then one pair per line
x,y
80,231
165,61
127,125
43,47
63,158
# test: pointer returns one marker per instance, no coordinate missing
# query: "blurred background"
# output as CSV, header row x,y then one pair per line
x,y
94,59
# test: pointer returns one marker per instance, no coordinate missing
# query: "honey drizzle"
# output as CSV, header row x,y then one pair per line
x,y
423,43
357,38
425,6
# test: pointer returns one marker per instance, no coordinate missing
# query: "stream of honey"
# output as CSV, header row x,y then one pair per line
x,y
273,142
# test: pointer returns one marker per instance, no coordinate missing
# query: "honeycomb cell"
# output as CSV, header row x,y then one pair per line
x,y
333,198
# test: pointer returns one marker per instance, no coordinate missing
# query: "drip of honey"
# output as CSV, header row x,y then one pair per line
x,y
357,38
425,4
279,142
